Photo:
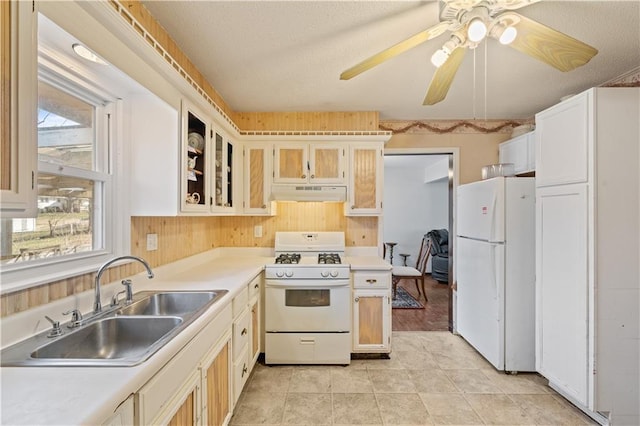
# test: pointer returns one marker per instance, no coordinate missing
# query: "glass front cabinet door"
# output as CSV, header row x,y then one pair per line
x,y
195,186
224,179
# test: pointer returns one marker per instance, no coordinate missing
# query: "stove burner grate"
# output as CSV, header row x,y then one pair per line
x,y
329,258
288,258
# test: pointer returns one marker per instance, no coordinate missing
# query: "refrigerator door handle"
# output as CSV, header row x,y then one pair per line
x,y
492,229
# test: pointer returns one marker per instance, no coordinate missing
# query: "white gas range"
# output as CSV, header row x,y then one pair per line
x,y
307,300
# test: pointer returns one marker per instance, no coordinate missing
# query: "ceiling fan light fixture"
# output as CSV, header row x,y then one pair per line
x,y
439,57
477,30
508,35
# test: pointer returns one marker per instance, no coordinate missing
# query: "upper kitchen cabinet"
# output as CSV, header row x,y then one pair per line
x,y
226,163
258,168
309,163
196,133
365,179
18,143
520,151
562,142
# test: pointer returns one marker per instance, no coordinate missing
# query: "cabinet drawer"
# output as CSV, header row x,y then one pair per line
x,y
254,287
241,333
240,373
381,279
240,302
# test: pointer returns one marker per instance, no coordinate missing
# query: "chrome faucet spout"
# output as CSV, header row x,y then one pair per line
x,y
97,304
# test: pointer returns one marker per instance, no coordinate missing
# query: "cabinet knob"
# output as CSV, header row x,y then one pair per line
x,y
244,370
313,176
264,206
257,285
357,299
353,207
244,331
304,176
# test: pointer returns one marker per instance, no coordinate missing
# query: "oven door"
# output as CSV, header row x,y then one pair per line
x,y
307,306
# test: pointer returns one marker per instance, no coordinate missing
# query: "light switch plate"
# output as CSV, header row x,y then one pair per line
x,y
152,242
257,231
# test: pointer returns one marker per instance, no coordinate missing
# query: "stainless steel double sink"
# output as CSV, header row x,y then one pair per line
x,y
122,336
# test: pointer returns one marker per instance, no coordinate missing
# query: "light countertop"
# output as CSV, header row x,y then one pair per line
x,y
89,395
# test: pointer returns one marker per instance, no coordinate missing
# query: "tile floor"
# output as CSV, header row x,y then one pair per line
x,y
432,378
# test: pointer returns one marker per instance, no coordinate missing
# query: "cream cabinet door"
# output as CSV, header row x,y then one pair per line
x,y
18,173
290,163
365,180
516,152
257,179
562,288
563,142
371,321
326,163
216,385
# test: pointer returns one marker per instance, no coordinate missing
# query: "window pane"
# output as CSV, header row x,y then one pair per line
x,y
64,224
66,130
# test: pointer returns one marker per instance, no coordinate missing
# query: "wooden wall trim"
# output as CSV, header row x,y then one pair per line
x,y
5,95
137,15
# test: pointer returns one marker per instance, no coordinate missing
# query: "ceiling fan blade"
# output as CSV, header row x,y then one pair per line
x,y
443,77
559,50
396,49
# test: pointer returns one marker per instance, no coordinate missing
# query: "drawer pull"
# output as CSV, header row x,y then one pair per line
x,y
257,285
372,281
244,370
244,331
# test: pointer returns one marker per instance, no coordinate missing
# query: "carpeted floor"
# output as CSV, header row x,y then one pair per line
x,y
435,315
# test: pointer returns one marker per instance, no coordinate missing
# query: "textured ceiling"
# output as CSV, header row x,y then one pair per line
x,y
288,55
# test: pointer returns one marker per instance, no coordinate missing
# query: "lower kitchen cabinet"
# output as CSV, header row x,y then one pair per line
x,y
216,385
371,312
246,334
180,393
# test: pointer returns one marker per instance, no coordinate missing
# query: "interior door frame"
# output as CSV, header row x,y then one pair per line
x,y
453,154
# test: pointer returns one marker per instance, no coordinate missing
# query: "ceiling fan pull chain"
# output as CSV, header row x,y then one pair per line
x,y
474,84
485,80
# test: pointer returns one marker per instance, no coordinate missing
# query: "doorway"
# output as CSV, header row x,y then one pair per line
x,y
418,198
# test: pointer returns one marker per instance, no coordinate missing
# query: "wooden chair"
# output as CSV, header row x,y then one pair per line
x,y
417,274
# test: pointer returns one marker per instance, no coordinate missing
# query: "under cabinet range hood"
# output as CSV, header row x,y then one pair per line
x,y
308,193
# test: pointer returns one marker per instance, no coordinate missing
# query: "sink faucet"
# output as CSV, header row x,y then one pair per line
x,y
97,304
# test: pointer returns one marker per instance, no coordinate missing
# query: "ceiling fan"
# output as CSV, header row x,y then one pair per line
x,y
470,22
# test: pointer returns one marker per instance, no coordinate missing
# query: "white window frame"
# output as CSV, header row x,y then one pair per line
x,y
116,221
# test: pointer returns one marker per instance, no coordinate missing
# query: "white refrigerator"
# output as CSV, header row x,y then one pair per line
x,y
495,270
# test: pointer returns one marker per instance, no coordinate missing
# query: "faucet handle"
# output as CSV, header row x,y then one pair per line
x,y
56,330
76,318
114,299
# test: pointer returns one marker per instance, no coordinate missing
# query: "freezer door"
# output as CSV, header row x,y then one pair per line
x,y
480,295
480,210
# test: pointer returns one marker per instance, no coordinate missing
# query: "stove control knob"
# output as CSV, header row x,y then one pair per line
x,y
279,274
334,274
289,273
324,274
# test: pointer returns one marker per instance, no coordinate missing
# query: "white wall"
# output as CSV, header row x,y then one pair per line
x,y
412,207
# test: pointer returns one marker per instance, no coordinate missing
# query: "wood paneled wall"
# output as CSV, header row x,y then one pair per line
x,y
180,237
307,121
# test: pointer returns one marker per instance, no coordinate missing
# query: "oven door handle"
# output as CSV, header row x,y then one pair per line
x,y
306,284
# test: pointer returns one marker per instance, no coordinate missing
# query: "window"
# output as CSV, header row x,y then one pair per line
x,y
76,228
